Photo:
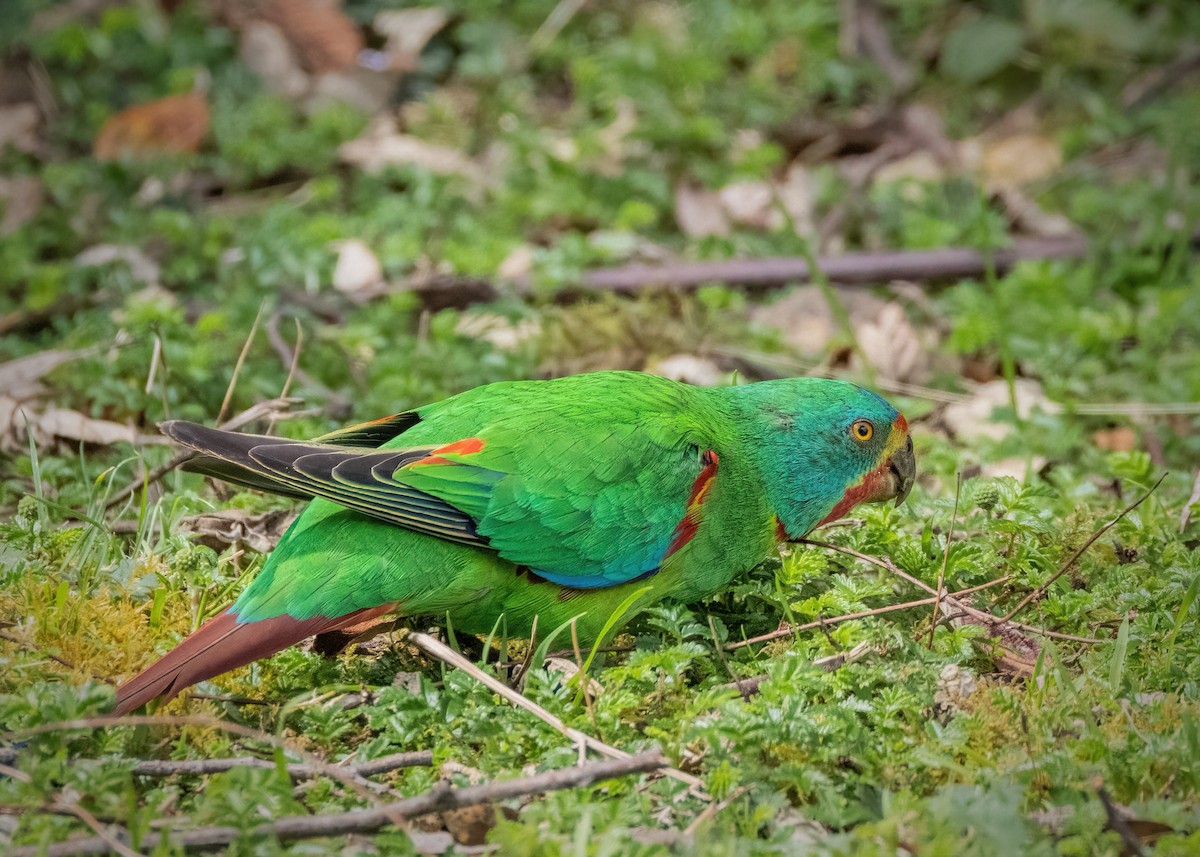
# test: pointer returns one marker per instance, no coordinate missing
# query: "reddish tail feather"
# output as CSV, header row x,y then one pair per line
x,y
222,644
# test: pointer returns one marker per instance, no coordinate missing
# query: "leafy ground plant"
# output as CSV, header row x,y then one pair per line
x,y
371,221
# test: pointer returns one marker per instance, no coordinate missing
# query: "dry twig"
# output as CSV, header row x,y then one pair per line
x,y
440,798
996,625
442,652
347,777
273,408
1066,566
749,686
65,807
205,767
941,582
862,614
1117,822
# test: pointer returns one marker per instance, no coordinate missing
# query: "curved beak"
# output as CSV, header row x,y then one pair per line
x,y
902,470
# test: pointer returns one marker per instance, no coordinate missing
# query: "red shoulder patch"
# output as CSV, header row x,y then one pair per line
x,y
461,447
466,446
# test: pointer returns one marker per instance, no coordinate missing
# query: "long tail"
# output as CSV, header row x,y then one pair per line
x,y
222,644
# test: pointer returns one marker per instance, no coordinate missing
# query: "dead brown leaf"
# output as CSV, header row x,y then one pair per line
x,y
896,348
468,825
408,31
19,126
795,194
1186,515
383,145
21,199
366,89
141,267
568,669
19,419
21,414
751,203
689,368
497,330
20,379
267,52
1118,439
1016,652
891,343
323,36
1030,218
1018,160
226,527
175,124
920,166
973,417
698,211
356,267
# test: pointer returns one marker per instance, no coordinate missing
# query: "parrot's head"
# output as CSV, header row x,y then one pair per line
x,y
823,447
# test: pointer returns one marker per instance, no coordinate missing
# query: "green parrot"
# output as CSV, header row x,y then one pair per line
x,y
537,500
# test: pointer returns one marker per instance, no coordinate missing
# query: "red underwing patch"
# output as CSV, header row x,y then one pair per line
x,y
685,530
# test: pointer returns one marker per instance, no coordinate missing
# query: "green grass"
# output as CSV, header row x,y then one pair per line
x,y
861,760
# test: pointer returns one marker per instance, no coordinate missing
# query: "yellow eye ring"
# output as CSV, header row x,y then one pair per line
x,y
862,430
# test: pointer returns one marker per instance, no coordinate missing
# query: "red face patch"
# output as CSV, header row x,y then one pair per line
x,y
872,485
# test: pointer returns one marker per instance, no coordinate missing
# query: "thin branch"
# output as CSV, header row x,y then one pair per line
x,y
46,653
720,649
290,357
941,582
981,616
1145,88
102,833
1032,629
442,652
752,685
295,363
950,263
204,767
1117,822
237,367
862,614
713,808
440,798
65,807
347,777
1066,566
271,407
558,18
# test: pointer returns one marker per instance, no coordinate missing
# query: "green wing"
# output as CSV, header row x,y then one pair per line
x,y
581,497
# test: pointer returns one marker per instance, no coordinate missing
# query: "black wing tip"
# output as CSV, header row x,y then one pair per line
x,y
170,427
198,437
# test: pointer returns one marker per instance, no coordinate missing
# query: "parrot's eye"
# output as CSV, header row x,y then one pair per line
x,y
861,430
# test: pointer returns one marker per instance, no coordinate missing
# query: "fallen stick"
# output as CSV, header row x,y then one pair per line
x,y
855,269
445,654
1066,566
271,407
862,614
440,798
949,263
753,684
995,623
297,771
365,788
